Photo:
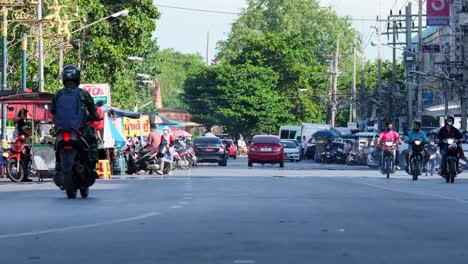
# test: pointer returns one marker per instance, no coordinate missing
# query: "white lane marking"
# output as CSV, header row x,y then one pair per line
x,y
188,198
244,261
176,207
78,227
183,202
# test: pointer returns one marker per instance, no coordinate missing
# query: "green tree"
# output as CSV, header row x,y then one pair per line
x,y
174,67
103,50
240,97
296,39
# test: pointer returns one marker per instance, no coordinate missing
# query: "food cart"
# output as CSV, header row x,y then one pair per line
x,y
42,151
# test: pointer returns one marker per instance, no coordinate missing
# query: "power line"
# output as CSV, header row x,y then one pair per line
x,y
238,14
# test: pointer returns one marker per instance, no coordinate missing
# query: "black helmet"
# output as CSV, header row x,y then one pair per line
x,y
417,122
449,116
71,73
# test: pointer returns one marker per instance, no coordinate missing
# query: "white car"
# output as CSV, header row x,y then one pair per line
x,y
292,150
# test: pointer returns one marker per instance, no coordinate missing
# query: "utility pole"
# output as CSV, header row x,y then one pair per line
x,y
379,75
393,85
409,88
463,89
40,46
353,105
420,60
363,92
207,47
4,65
335,85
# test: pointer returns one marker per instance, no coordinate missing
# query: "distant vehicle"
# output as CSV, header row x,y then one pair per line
x,y
297,132
210,149
232,148
292,150
266,149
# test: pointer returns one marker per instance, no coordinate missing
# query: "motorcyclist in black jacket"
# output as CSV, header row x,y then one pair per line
x,y
448,131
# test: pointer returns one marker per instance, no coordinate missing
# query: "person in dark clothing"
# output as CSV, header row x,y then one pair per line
x,y
448,131
71,77
22,114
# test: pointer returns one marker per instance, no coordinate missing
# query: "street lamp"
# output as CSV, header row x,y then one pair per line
x,y
122,13
144,76
134,58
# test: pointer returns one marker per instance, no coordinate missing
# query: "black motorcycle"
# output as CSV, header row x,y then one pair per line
x,y
387,163
327,155
451,159
416,158
76,168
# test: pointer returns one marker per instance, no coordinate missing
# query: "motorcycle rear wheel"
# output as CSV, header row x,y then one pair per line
x,y
15,173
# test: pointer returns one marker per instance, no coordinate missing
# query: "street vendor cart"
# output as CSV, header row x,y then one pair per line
x,y
40,157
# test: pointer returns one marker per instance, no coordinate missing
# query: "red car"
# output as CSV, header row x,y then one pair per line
x,y
266,149
231,147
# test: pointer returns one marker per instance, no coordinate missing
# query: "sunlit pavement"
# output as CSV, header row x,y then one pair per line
x,y
303,213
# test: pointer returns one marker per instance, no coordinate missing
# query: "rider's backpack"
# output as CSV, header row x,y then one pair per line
x,y
68,111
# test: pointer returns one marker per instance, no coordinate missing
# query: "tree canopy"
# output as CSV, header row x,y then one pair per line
x,y
295,40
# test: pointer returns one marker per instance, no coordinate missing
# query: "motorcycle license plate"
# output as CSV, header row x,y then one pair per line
x,y
265,149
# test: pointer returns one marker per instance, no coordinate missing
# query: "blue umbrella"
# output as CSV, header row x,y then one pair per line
x,y
324,134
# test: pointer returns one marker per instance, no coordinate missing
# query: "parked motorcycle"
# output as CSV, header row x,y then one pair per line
x,y
147,160
451,160
387,161
340,156
416,158
19,160
185,157
327,155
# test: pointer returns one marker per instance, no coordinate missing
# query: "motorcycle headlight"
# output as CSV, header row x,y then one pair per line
x,y
433,156
388,144
417,142
450,141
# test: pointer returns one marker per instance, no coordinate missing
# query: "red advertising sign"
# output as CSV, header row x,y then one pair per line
x,y
438,12
99,92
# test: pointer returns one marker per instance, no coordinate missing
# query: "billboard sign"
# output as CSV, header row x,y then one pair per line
x,y
438,12
99,92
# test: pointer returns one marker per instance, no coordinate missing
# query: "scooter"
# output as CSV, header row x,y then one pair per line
x,y
416,158
19,160
327,156
78,173
451,159
387,164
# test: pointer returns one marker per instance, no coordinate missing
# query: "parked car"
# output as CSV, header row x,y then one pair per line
x,y
266,149
232,148
292,150
210,149
310,150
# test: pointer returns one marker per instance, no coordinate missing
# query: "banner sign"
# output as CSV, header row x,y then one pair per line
x,y
438,12
132,126
99,92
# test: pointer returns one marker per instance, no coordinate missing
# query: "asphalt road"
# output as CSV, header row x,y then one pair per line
x,y
264,214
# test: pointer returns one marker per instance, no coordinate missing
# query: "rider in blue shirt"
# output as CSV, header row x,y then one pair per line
x,y
413,134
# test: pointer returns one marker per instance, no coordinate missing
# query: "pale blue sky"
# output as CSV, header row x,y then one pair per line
x,y
186,31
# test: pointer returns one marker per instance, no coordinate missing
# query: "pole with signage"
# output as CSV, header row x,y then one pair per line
x,y
24,50
4,64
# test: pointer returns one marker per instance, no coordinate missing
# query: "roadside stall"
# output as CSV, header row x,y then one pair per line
x,y
41,158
